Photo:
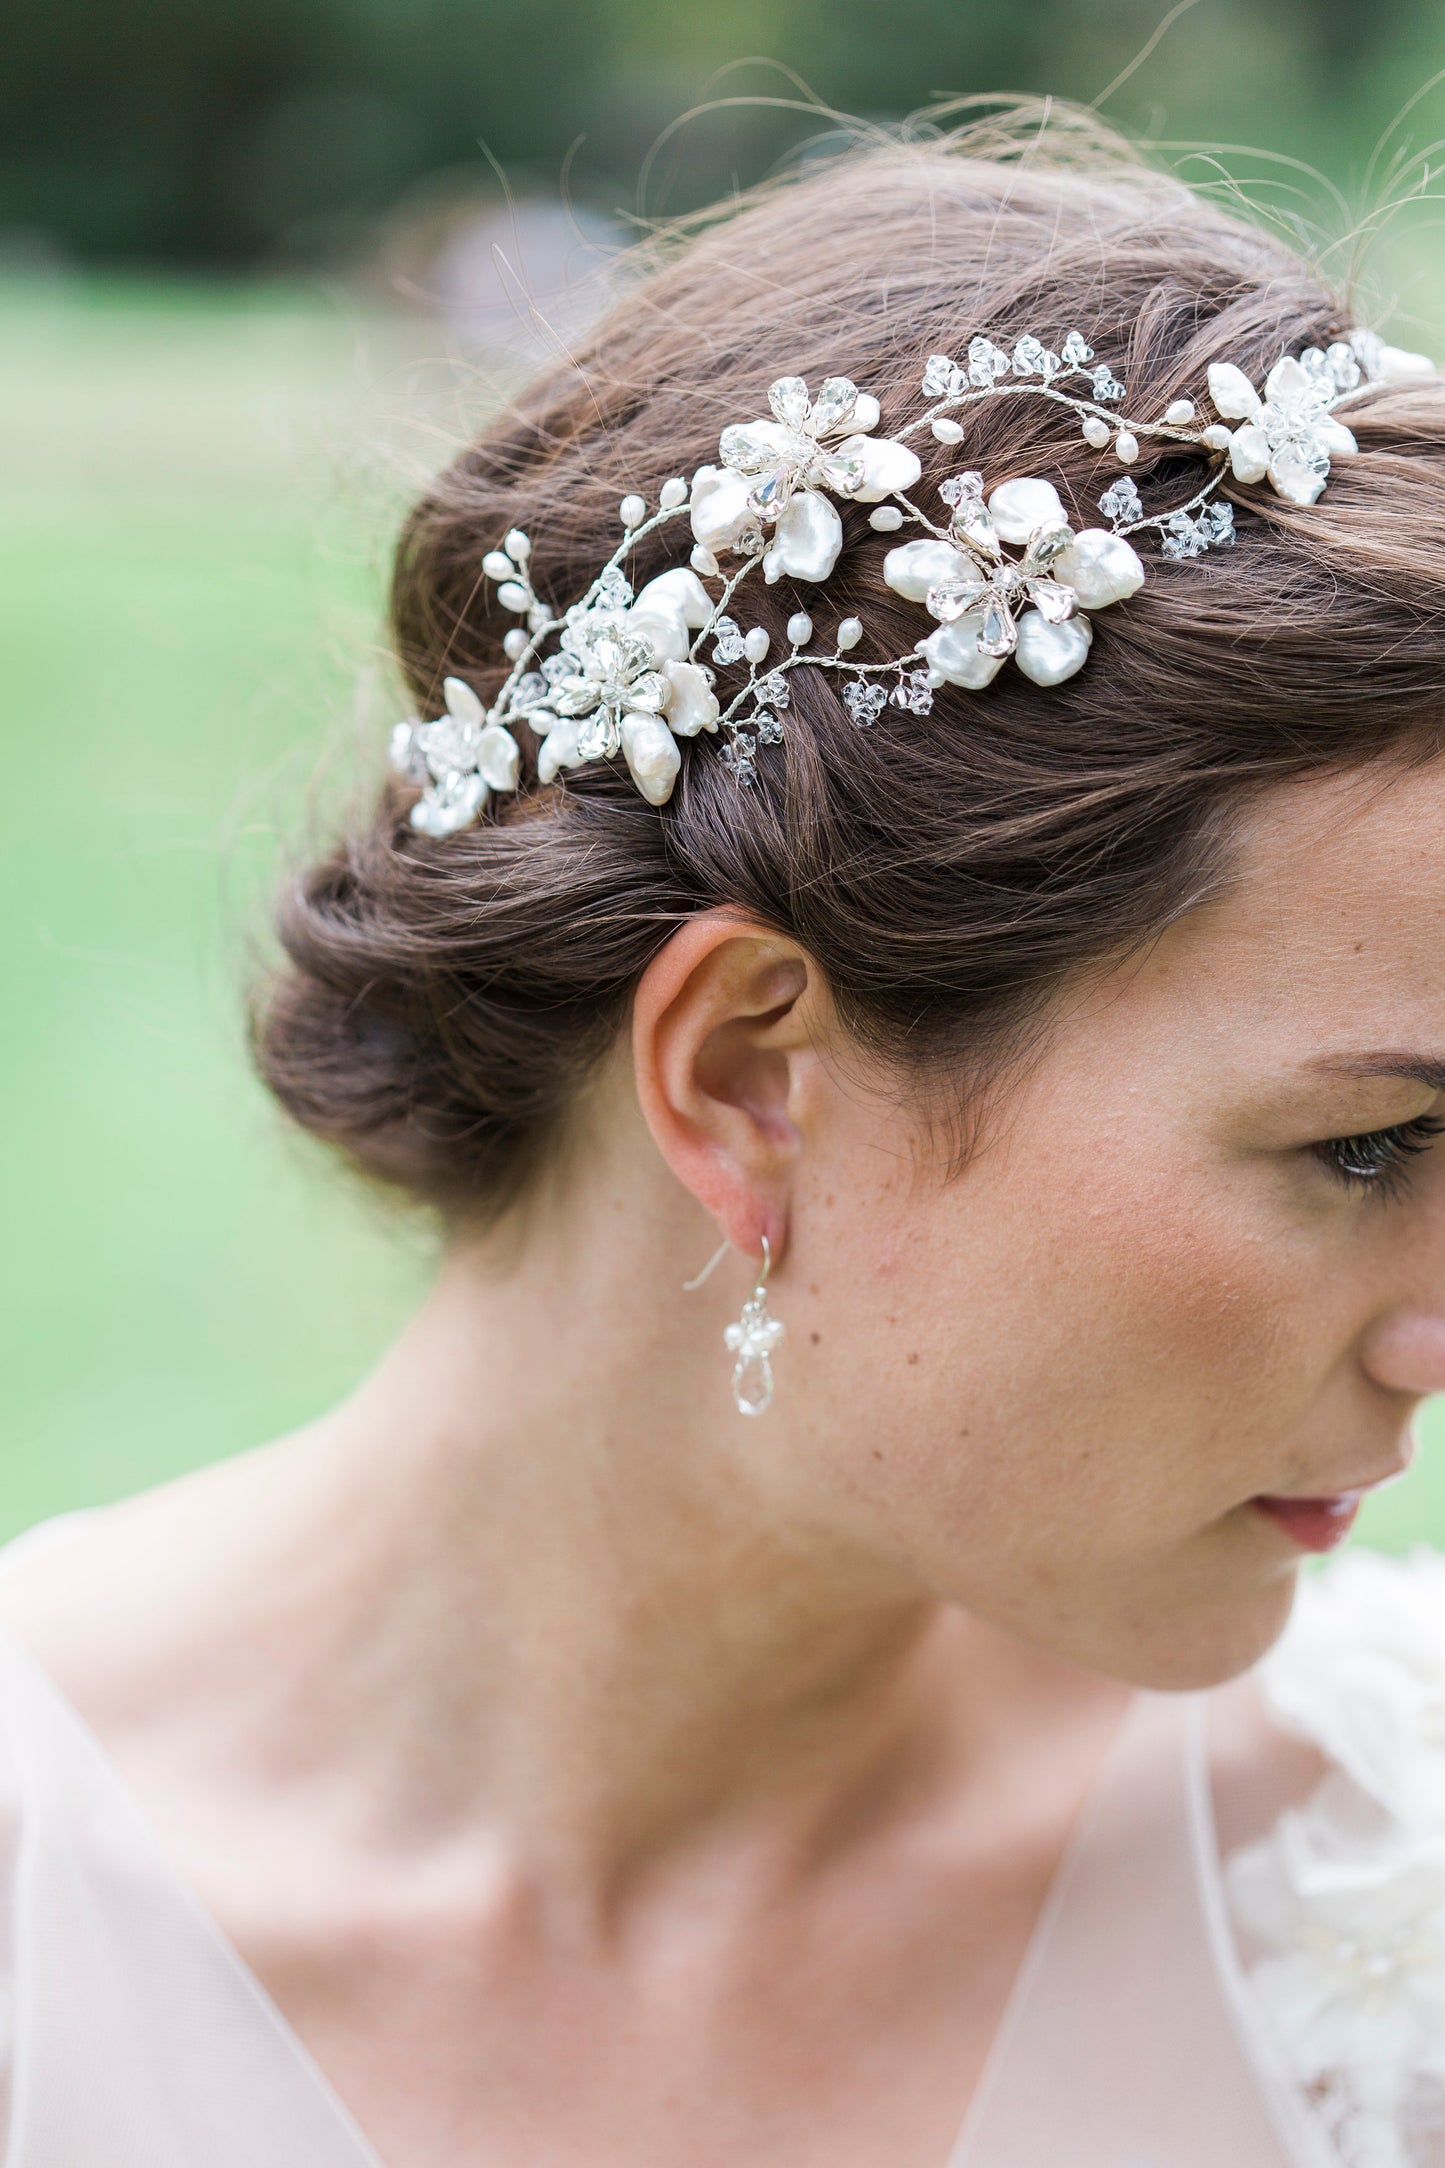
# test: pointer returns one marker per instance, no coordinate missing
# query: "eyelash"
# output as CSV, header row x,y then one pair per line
x,y
1379,1161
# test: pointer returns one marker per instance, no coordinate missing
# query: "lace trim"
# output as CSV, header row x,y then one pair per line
x,y
1344,1900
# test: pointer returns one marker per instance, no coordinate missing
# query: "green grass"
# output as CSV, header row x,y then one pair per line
x,y
198,485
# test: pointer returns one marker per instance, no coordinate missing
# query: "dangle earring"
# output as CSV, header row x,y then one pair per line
x,y
752,1339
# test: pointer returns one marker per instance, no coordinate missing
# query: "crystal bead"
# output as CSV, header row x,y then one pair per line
x,y
942,378
952,599
1076,351
769,729
1121,501
788,398
1028,357
864,702
728,639
997,635
833,405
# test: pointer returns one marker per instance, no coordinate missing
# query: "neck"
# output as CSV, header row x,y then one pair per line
x,y
545,1587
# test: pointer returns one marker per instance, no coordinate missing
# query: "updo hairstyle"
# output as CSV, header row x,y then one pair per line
x,y
440,1002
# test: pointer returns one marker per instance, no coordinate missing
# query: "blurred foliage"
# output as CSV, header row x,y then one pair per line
x,y
230,131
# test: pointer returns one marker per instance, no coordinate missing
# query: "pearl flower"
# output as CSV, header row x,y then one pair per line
x,y
461,758
1288,435
625,683
773,474
989,605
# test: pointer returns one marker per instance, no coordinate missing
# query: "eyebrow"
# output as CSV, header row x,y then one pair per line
x,y
1426,1069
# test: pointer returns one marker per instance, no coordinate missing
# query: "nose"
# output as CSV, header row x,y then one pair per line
x,y
1405,1352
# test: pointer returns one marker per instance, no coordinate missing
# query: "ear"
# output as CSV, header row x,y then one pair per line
x,y
727,1025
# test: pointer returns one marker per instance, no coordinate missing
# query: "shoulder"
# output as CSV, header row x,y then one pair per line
x,y
1340,1906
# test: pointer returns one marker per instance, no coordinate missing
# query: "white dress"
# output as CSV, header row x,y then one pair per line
x,y
1283,2009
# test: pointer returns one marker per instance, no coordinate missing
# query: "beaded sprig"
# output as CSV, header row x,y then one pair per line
x,y
1001,572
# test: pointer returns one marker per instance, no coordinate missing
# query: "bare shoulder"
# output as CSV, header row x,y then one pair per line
x,y
128,1606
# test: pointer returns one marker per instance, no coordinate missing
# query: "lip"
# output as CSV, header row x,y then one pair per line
x,y
1315,1524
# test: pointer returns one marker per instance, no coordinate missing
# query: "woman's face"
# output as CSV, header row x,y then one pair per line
x,y
1056,1387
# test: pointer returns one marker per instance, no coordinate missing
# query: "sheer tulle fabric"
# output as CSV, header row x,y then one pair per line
x,y
137,2037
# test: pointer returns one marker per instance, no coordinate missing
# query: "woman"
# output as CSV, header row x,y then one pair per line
x,y
538,1761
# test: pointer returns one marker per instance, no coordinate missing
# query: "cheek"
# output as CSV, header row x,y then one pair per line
x,y
1120,1348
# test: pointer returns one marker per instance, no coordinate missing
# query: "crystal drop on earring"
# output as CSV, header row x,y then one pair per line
x,y
752,1340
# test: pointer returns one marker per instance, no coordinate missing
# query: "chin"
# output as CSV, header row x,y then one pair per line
x,y
1213,1639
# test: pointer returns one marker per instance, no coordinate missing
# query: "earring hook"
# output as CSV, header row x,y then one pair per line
x,y
690,1287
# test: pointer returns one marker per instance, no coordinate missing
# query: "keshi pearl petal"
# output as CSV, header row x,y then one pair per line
x,y
719,507
1179,413
1100,567
866,412
672,494
666,629
850,632
1018,508
632,511
914,567
652,756
703,561
756,644
678,590
1050,653
461,701
1097,431
1288,380
952,654
946,431
1233,395
1249,453
806,540
691,705
558,750
498,757
887,466
1126,445
1397,365
1333,436
800,629
886,520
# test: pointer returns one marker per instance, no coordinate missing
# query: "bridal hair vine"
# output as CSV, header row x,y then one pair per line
x,y
1000,571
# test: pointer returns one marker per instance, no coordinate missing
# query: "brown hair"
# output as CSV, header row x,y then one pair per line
x,y
442,1000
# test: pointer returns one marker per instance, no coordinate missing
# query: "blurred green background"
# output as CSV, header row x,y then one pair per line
x,y
262,263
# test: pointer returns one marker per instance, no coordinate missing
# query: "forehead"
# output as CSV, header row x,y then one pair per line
x,y
1331,927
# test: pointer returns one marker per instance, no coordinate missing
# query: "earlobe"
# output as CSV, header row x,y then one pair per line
x,y
721,1032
